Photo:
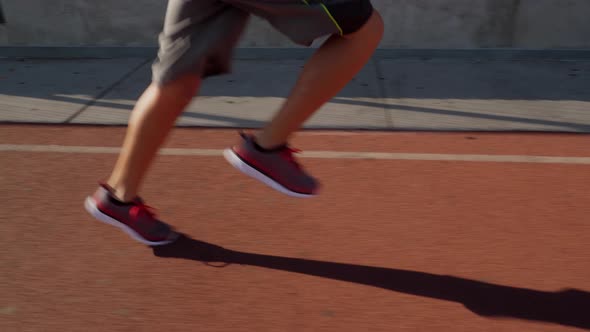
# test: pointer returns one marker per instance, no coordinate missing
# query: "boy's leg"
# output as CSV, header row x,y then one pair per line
x,y
333,66
196,42
152,119
116,202
266,156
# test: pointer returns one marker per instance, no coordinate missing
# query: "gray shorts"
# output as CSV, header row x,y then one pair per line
x,y
199,35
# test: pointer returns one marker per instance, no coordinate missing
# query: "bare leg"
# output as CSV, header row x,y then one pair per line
x,y
335,64
151,121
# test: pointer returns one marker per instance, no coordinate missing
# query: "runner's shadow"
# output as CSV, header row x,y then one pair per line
x,y
568,307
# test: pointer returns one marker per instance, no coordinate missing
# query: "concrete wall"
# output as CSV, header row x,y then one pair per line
x,y
409,23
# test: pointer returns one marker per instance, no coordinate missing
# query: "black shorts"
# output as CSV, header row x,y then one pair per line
x,y
199,35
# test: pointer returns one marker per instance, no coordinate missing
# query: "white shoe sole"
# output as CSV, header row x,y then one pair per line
x,y
95,212
240,165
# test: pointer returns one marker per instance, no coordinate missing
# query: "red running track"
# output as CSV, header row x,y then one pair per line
x,y
389,245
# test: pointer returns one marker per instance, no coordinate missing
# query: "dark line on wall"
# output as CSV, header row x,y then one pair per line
x,y
106,91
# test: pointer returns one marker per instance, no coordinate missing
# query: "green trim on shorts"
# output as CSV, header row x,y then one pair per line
x,y
329,15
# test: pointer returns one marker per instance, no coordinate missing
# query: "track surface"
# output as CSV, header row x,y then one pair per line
x,y
389,245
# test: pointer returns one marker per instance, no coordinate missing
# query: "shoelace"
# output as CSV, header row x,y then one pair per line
x,y
288,152
141,209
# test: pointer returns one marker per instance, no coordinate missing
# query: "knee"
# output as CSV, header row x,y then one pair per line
x,y
374,25
371,30
377,24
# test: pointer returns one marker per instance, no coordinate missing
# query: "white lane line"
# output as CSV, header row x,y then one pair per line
x,y
315,154
101,150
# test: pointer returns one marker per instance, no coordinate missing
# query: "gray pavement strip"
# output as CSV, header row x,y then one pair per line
x,y
388,94
248,97
50,91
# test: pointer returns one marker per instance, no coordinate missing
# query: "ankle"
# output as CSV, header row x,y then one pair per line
x,y
120,192
263,142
